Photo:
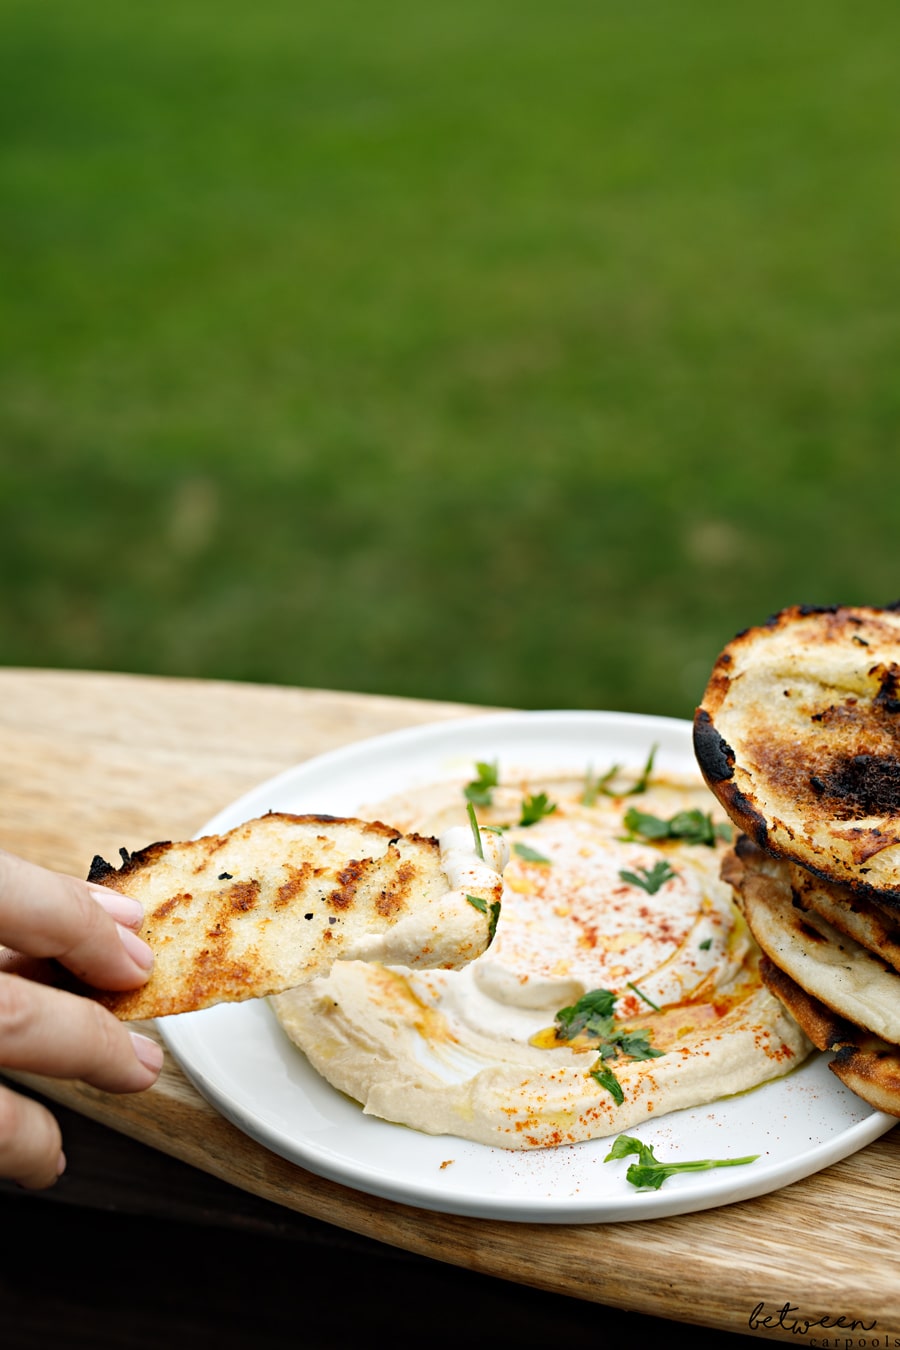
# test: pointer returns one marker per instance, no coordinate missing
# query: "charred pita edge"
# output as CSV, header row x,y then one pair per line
x,y
716,760
101,872
887,898
714,755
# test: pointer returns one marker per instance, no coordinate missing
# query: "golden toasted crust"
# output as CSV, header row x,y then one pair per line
x,y
865,1064
871,1069
798,735
275,901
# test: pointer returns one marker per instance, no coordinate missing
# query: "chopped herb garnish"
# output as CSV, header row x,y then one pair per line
x,y
592,1016
640,993
648,1173
529,854
706,944
476,832
607,1079
690,827
492,910
635,1044
594,786
642,782
650,879
481,789
535,807
591,1013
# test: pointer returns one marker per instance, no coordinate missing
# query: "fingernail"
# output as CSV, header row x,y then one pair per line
x,y
136,947
148,1052
121,907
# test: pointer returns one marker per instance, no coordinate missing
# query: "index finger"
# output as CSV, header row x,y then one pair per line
x,y
47,914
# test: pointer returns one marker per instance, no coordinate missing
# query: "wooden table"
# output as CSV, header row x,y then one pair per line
x,y
89,763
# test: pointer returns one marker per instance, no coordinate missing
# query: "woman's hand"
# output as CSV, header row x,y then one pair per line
x,y
89,930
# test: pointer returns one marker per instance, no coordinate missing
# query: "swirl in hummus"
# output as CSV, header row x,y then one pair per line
x,y
587,905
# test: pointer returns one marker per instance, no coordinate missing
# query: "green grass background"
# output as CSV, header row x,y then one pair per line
x,y
514,353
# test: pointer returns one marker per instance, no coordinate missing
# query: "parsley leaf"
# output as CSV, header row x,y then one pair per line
x,y
535,807
648,1173
594,786
691,827
606,1078
641,784
529,854
492,910
635,1044
640,993
476,833
591,1013
650,879
481,789
592,1016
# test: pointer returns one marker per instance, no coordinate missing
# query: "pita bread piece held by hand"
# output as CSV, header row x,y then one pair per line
x,y
274,902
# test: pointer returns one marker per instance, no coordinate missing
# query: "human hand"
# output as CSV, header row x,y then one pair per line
x,y
89,930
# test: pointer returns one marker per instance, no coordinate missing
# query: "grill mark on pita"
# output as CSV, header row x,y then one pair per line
x,y
169,906
296,884
860,785
888,696
394,897
212,969
350,878
243,895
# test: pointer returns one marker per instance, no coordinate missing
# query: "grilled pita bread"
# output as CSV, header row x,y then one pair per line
x,y
871,1069
865,1064
276,901
828,965
867,922
798,735
872,925
825,1028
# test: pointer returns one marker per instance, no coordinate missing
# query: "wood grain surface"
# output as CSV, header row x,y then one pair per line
x,y
93,762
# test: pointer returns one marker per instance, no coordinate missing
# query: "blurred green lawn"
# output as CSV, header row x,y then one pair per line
x,y
511,353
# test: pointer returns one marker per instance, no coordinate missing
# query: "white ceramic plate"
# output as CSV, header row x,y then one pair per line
x,y
239,1058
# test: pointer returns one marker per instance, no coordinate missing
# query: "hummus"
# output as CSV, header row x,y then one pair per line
x,y
590,903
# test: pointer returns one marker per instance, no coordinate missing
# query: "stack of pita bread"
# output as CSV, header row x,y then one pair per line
x,y
798,736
